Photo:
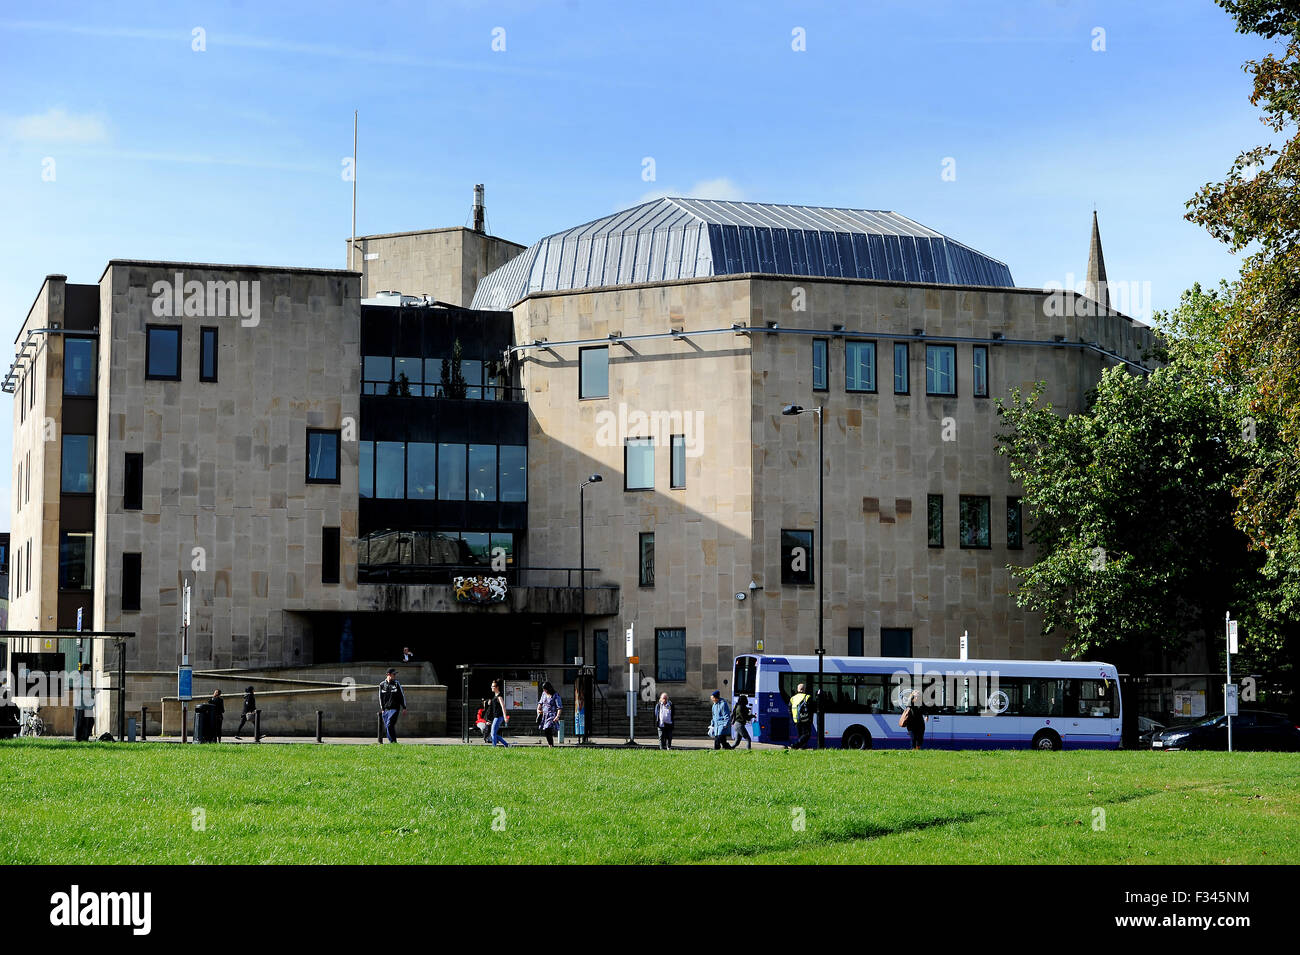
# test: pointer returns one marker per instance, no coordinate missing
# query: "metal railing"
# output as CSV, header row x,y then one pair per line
x,y
516,576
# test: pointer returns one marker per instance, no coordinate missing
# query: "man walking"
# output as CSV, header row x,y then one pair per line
x,y
664,720
391,702
801,710
246,714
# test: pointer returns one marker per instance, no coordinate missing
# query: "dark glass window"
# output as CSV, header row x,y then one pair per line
x,y
670,655
797,557
602,655
974,521
78,464
472,370
593,372
482,472
366,469
941,370
133,482
901,355
421,470
855,642
162,355
512,464
376,374
678,476
451,472
896,641
639,464
820,364
859,366
1015,523
207,354
390,468
79,366
130,581
76,554
322,456
329,555
980,370
408,377
506,543
646,575
934,519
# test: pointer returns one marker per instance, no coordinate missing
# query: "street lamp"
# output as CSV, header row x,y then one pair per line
x,y
789,410
583,674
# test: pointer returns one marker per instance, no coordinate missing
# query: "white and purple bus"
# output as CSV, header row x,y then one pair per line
x,y
971,704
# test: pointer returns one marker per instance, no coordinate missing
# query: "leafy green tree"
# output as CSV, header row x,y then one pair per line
x,y
454,384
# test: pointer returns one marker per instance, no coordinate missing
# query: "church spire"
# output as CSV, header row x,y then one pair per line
x,y
1095,284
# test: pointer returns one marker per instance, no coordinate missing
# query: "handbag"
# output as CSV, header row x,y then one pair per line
x,y
713,730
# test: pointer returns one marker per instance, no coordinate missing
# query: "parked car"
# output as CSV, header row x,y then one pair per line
x,y
1252,730
1147,729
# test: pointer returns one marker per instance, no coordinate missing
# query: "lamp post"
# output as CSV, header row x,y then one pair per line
x,y
821,563
584,680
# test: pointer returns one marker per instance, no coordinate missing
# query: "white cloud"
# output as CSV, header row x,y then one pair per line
x,y
58,126
722,189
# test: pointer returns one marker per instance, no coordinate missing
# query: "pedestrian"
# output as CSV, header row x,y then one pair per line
x,y
913,720
549,710
740,718
720,723
496,714
480,720
392,702
218,714
801,709
246,714
664,721
407,655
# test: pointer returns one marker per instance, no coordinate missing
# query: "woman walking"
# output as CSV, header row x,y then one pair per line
x,y
496,714
720,724
913,720
549,710
740,719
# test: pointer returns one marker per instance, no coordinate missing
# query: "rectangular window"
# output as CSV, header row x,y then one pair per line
x,y
896,641
472,371
639,464
322,456
506,542
366,469
941,370
76,553
821,364
207,354
646,562
901,356
482,472
28,565
390,469
451,472
22,401
602,655
421,470
980,370
376,374
433,378
678,476
855,642
130,581
329,555
934,519
78,464
79,367
27,485
162,354
593,372
512,472
133,482
479,545
1015,523
670,655
408,377
860,366
973,521
797,557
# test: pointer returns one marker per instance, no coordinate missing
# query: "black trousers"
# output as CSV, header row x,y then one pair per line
x,y
805,734
666,737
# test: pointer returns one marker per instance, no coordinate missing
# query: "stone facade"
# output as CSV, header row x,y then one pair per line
x,y
445,264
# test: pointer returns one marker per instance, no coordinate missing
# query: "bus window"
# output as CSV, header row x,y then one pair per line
x,y
746,676
1090,698
1042,697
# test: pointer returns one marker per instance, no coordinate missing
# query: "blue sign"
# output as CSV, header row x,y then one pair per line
x,y
79,611
185,683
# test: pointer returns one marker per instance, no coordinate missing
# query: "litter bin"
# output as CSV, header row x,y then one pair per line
x,y
204,730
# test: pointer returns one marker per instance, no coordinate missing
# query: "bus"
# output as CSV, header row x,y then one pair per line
x,y
971,704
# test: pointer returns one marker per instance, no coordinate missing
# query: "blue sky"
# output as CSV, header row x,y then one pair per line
x,y
234,153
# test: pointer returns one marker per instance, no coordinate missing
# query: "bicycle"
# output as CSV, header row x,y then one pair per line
x,y
30,723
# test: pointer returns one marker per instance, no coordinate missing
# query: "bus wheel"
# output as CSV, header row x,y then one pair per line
x,y
1046,740
855,737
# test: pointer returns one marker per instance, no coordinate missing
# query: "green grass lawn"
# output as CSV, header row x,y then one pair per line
x,y
69,803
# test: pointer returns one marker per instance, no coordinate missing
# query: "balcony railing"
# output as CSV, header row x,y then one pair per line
x,y
391,389
410,573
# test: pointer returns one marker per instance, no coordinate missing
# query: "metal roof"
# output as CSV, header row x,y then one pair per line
x,y
692,238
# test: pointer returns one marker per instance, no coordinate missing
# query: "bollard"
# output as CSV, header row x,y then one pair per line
x,y
379,738
319,715
185,711
257,726
144,717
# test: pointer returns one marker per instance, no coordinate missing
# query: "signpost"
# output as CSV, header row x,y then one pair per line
x,y
965,644
632,661
1230,626
184,673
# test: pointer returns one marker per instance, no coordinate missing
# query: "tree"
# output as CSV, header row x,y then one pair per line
x,y
453,379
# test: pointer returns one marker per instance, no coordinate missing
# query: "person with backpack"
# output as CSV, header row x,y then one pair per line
x,y
913,720
496,714
481,722
720,723
664,721
740,719
801,713
246,714
548,712
392,701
